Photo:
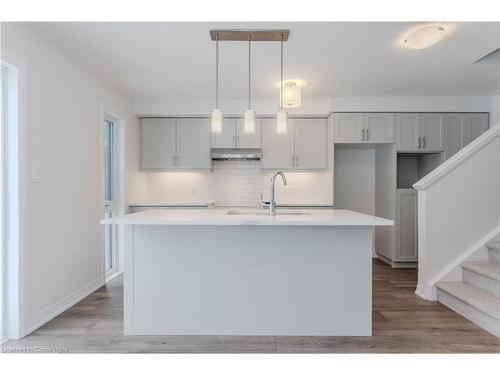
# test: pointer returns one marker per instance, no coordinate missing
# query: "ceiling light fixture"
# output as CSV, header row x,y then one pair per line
x,y
249,113
281,115
216,122
424,37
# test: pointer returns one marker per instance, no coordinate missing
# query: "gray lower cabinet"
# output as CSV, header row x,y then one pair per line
x,y
170,144
406,226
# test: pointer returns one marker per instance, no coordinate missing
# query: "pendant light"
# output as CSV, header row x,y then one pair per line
x,y
216,123
281,116
249,113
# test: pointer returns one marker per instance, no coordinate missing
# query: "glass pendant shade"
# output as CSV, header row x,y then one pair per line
x,y
291,95
216,123
281,121
249,121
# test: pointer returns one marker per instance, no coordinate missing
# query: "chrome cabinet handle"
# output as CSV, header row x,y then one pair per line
x,y
367,134
423,142
362,135
419,143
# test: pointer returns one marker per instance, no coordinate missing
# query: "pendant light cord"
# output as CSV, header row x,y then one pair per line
x,y
249,71
281,85
217,71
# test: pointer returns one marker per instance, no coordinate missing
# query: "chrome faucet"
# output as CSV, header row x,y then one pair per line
x,y
272,202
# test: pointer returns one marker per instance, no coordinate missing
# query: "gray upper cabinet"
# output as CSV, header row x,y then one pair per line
x,y
233,135
407,131
432,131
245,140
475,125
379,127
364,127
303,146
420,131
349,127
310,143
158,143
193,143
277,149
226,138
454,134
175,144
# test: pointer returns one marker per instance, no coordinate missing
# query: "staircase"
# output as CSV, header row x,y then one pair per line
x,y
477,296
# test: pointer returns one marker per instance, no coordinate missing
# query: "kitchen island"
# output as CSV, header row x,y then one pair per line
x,y
242,272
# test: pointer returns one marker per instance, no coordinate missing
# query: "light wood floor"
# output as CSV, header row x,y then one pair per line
x,y
402,323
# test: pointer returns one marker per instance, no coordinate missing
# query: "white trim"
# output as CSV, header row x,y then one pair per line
x,y
63,304
112,276
426,292
457,159
17,248
429,291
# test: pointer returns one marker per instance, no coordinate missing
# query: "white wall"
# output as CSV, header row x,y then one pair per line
x,y
495,110
63,238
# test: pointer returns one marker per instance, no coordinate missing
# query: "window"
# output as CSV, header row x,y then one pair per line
x,y
110,193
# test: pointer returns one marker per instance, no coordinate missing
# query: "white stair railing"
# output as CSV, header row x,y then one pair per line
x,y
458,209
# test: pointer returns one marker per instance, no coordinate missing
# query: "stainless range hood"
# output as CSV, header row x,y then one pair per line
x,y
236,154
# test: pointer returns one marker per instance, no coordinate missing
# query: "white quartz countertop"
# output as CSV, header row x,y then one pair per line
x,y
248,216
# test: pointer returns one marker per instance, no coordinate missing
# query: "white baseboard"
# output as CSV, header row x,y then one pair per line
x,y
429,293
112,276
3,339
65,303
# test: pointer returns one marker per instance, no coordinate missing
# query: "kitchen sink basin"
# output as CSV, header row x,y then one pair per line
x,y
266,213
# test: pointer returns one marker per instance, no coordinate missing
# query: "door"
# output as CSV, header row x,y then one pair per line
x,y
406,225
349,127
476,124
277,149
455,133
379,127
310,143
110,193
407,131
193,143
245,140
158,143
432,131
227,138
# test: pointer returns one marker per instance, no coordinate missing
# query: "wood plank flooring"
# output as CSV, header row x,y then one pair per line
x,y
402,323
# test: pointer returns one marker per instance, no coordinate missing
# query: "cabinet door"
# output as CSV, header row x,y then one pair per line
x,y
310,143
406,225
476,124
226,138
158,143
349,127
432,131
407,131
379,127
277,149
455,133
193,143
245,140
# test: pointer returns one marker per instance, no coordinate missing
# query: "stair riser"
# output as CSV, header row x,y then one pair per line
x,y
483,320
494,256
482,282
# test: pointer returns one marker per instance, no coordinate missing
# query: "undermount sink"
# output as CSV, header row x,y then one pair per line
x,y
265,212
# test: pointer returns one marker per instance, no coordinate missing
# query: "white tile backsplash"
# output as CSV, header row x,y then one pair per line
x,y
238,183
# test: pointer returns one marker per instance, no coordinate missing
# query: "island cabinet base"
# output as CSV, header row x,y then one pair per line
x,y
248,280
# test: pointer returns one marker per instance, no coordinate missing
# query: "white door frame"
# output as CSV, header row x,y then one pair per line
x,y
17,246
119,135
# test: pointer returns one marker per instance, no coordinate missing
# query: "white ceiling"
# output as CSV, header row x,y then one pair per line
x,y
177,60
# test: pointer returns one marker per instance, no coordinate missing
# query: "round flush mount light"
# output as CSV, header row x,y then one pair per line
x,y
424,37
